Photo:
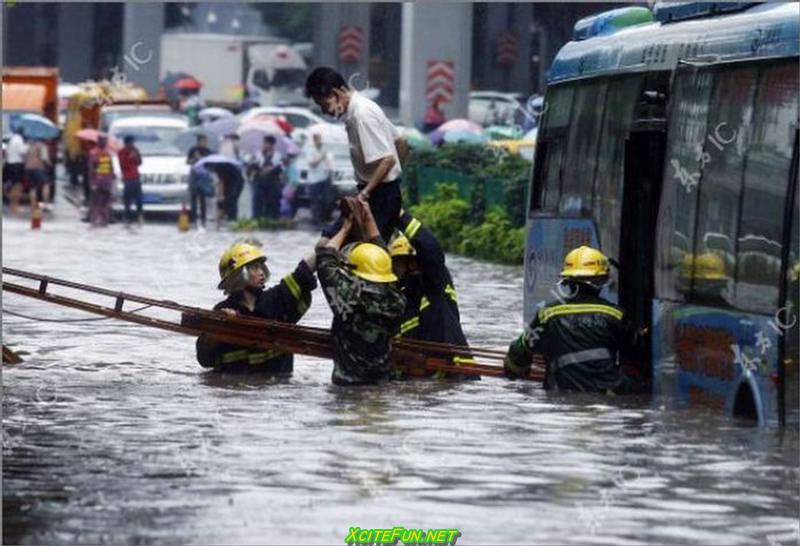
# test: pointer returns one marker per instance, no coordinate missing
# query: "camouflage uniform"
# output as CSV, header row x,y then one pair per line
x,y
287,301
366,316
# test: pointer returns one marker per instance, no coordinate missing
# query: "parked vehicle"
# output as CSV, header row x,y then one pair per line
x,y
300,118
164,172
495,108
111,113
221,62
277,75
640,155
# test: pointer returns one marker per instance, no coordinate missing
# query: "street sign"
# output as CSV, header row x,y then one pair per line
x,y
506,48
440,80
351,40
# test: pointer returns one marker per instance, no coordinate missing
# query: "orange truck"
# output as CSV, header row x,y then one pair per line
x,y
31,89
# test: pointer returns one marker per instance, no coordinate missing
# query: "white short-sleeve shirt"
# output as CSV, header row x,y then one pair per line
x,y
371,136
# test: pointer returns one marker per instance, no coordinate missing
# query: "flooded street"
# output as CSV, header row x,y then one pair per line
x,y
113,434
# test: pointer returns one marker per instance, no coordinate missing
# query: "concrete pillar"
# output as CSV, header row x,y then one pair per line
x,y
75,33
328,20
434,31
143,25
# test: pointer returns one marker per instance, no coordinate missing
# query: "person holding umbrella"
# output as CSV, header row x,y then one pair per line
x,y
267,194
199,179
16,151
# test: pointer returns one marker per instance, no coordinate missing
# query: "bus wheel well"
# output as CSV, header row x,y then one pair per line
x,y
744,405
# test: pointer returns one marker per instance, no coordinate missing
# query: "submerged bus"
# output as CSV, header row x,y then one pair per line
x,y
669,140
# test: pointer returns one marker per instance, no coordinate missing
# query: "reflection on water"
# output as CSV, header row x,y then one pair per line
x,y
113,434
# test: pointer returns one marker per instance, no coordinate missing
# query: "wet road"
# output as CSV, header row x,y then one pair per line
x,y
113,434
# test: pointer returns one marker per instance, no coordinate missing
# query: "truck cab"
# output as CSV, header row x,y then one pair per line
x,y
277,75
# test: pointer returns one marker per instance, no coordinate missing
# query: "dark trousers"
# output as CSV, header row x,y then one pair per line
x,y
321,200
232,191
195,195
385,203
132,194
266,197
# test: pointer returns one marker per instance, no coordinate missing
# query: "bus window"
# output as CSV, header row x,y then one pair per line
x,y
581,153
551,171
789,318
622,96
557,109
769,162
722,160
688,111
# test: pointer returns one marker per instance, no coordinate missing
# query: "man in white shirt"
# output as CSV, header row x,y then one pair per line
x,y
374,149
16,150
320,177
267,183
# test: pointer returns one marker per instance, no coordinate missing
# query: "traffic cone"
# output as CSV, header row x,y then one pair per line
x,y
36,215
184,222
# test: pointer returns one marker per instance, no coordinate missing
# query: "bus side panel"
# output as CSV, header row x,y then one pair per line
x,y
703,356
549,241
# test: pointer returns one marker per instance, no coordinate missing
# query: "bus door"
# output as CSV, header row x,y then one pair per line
x,y
788,316
644,159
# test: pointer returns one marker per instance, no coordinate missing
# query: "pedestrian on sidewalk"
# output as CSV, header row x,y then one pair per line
x,y
199,180
267,186
16,151
101,175
37,164
375,149
129,161
320,176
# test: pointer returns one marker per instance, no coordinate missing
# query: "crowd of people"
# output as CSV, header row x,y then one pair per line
x,y
28,171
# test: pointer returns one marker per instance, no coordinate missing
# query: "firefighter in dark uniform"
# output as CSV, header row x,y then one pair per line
x,y
244,273
431,312
581,336
366,302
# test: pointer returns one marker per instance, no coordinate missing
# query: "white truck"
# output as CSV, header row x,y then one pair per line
x,y
267,66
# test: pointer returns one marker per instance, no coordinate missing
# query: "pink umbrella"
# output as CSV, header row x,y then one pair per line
x,y
251,135
460,125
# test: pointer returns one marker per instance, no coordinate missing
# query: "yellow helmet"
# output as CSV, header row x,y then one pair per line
x,y
371,262
401,246
585,261
236,257
707,266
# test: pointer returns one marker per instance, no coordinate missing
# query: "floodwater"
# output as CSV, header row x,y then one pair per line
x,y
113,434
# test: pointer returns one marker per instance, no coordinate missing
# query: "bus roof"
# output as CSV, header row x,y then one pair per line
x,y
762,31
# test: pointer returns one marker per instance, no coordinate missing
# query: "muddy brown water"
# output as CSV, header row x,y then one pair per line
x,y
113,434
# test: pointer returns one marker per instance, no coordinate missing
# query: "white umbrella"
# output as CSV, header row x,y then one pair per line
x,y
213,113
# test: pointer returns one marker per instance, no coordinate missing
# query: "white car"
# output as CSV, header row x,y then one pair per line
x,y
495,108
111,113
299,117
164,172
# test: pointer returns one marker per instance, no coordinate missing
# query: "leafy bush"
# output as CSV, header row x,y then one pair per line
x,y
486,165
494,238
444,213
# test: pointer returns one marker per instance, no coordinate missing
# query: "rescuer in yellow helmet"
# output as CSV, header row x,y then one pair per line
x,y
367,304
243,276
579,335
431,312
